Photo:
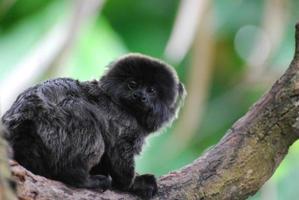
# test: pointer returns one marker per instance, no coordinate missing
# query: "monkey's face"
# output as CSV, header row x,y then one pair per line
x,y
147,88
139,95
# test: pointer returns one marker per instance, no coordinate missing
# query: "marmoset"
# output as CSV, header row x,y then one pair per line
x,y
86,134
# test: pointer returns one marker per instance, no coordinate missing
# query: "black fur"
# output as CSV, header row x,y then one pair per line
x,y
83,133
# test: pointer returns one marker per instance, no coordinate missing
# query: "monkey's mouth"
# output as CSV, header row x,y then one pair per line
x,y
136,106
139,105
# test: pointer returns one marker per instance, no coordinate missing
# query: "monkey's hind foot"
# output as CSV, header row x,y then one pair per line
x,y
145,186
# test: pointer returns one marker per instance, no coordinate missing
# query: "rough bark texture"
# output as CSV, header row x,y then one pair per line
x,y
235,168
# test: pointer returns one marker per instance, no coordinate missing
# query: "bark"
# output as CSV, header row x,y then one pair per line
x,y
235,168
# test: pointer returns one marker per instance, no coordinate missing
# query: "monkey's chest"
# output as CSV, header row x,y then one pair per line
x,y
127,131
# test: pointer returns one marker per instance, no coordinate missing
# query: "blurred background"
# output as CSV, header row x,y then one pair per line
x,y
227,52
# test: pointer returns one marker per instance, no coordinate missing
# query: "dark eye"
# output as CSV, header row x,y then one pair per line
x,y
132,85
151,90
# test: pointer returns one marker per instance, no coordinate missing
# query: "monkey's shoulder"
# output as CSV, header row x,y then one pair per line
x,y
55,91
60,86
52,87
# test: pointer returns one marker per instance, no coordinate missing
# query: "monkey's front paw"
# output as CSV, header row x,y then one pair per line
x,y
145,186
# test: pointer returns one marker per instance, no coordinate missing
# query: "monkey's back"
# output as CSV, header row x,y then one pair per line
x,y
52,126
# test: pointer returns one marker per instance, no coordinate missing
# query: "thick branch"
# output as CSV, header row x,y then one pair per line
x,y
235,168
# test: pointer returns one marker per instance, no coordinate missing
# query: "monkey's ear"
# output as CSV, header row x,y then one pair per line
x,y
182,90
181,96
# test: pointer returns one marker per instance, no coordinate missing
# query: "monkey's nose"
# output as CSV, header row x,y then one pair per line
x,y
139,96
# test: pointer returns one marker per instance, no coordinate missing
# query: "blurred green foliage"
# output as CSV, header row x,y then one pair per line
x,y
145,26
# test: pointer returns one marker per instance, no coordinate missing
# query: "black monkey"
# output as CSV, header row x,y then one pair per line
x,y
85,133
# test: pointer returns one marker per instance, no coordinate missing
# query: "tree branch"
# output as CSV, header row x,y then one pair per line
x,y
235,168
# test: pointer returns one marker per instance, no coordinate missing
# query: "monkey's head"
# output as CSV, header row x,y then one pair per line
x,y
146,88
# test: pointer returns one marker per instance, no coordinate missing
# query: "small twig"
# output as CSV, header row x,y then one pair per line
x,y
186,25
274,20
